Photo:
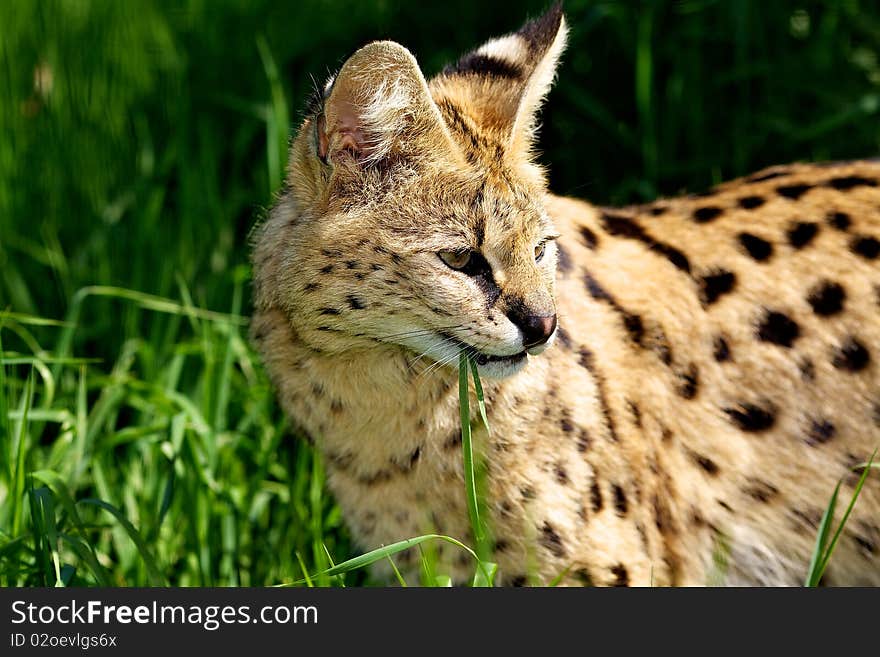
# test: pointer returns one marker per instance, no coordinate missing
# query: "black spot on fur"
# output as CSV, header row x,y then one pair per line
x,y
808,370
311,287
563,259
625,227
715,284
820,431
501,545
377,477
561,474
810,517
659,343
583,441
757,247
565,424
848,182
354,303
875,414
852,356
596,497
867,247
854,466
750,202
518,580
551,540
657,210
621,576
563,337
778,328
634,326
620,501
330,311
802,233
840,220
632,322
583,577
587,361
340,460
707,464
760,491
662,516
793,192
865,545
827,298
751,418
636,413
707,214
527,492
721,349
454,441
596,290
326,269
485,65
591,240
689,382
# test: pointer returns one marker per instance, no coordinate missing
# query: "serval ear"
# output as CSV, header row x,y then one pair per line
x,y
503,83
378,106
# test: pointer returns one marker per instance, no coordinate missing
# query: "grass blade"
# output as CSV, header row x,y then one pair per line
x,y
849,508
46,506
467,447
154,576
85,552
20,453
384,552
397,574
813,572
478,387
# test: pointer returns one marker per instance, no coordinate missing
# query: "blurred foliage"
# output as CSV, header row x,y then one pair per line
x,y
135,132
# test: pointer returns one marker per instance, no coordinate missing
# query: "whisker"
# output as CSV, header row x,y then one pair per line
x,y
437,364
414,332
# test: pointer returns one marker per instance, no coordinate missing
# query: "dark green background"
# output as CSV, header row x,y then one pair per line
x,y
148,157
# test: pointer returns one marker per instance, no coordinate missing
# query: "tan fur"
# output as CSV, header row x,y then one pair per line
x,y
634,450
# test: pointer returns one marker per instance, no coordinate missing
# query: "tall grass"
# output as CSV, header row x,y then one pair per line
x,y
169,466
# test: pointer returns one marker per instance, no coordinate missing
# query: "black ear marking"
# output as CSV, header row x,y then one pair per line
x,y
540,32
476,64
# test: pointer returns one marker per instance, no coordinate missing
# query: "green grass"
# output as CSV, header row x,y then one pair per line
x,y
139,438
170,465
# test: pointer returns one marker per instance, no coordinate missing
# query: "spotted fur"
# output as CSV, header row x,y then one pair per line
x,y
715,372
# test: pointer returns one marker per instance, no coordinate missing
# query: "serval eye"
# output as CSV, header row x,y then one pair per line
x,y
456,259
539,251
